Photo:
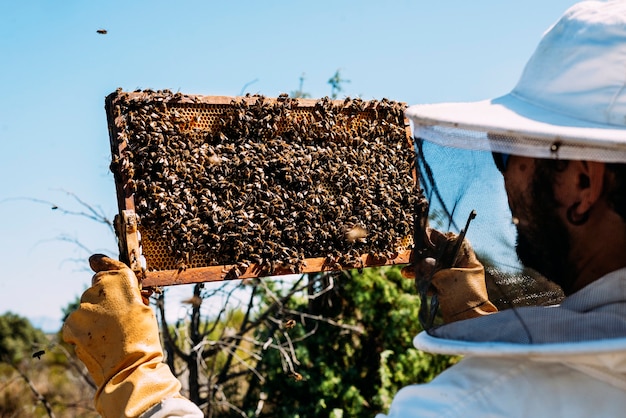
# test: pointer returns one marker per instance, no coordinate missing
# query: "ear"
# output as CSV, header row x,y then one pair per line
x,y
590,184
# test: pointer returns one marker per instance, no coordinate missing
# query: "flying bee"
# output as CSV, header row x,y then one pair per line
x,y
214,159
356,234
194,301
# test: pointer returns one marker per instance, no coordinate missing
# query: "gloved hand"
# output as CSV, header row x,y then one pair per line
x,y
117,337
461,289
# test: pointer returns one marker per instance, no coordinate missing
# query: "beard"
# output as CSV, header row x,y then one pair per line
x,y
543,242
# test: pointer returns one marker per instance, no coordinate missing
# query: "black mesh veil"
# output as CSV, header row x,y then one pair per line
x,y
457,182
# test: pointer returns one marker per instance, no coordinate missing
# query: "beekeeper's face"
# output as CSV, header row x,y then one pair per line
x,y
543,241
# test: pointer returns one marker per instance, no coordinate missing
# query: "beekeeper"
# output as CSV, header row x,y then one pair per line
x,y
559,139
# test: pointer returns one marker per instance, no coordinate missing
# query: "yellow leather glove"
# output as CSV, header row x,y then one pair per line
x,y
461,290
117,337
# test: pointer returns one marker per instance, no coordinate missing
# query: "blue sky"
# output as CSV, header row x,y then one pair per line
x,y
56,70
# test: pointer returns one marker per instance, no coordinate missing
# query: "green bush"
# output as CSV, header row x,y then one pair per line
x,y
353,365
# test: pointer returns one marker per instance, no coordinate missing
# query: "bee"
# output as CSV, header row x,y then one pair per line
x,y
194,301
356,234
38,354
182,265
102,31
214,159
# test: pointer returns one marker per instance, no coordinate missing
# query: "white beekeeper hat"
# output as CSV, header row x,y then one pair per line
x,y
570,102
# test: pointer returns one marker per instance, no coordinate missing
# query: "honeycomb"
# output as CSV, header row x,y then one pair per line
x,y
272,182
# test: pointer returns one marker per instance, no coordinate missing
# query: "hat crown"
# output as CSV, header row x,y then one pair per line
x,y
570,102
579,67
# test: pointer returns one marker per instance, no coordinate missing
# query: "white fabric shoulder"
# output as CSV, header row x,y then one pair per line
x,y
514,387
174,408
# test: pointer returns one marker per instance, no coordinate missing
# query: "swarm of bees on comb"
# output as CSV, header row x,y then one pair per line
x,y
269,182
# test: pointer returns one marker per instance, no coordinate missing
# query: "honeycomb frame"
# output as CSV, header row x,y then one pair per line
x,y
198,115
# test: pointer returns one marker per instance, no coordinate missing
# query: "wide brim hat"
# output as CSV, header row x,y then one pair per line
x,y
570,102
